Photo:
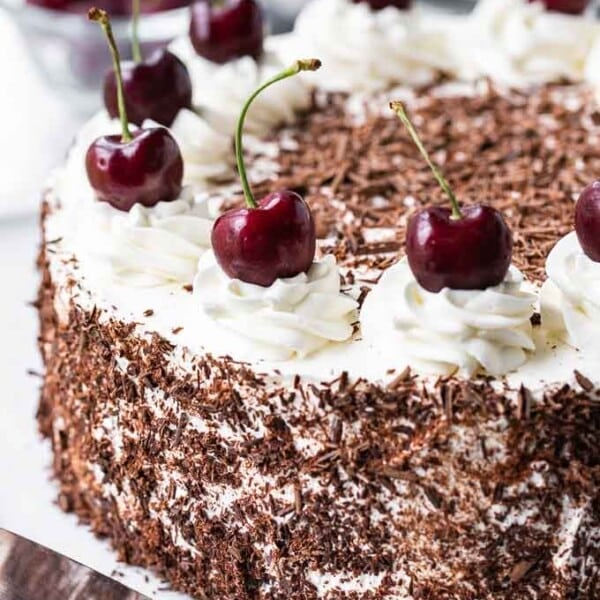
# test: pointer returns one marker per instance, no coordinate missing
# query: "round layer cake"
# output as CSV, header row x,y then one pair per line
x,y
343,433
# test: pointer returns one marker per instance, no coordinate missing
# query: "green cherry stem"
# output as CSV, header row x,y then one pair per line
x,y
136,49
311,64
399,109
101,17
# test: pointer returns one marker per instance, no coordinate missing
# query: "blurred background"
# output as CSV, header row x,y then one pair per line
x,y
51,68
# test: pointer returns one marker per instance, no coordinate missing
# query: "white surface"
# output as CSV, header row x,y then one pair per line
x,y
27,495
37,126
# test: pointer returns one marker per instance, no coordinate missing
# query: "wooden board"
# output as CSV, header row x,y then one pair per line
x,y
30,572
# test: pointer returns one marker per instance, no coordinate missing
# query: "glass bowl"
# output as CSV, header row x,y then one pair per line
x,y
71,53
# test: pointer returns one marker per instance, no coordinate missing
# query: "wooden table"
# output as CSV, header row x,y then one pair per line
x,y
31,572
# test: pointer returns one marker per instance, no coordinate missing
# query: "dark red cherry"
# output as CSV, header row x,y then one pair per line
x,y
223,32
157,88
146,170
461,249
571,7
272,238
472,252
259,245
587,220
381,4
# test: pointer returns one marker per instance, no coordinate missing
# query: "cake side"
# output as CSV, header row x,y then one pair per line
x,y
235,484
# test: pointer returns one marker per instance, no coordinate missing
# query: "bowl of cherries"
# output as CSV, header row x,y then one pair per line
x,y
70,51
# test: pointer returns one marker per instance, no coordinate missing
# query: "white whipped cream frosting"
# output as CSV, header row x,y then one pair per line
x,y
467,330
365,50
220,91
207,153
292,318
519,43
147,247
153,246
570,298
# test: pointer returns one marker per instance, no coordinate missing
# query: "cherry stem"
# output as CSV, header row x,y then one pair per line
x,y
310,64
101,17
136,49
399,109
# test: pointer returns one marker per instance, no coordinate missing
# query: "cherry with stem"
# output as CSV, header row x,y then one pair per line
x,y
275,237
226,30
156,88
467,248
144,167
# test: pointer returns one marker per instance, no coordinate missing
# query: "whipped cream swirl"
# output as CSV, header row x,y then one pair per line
x,y
292,318
221,90
147,247
365,50
519,43
207,153
570,299
468,330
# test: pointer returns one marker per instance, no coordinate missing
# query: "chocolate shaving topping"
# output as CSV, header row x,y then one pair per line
x,y
336,430
584,382
525,401
522,569
400,379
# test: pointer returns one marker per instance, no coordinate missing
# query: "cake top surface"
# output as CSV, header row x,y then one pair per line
x,y
527,152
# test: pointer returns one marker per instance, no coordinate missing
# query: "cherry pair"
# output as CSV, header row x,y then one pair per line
x,y
144,167
460,249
